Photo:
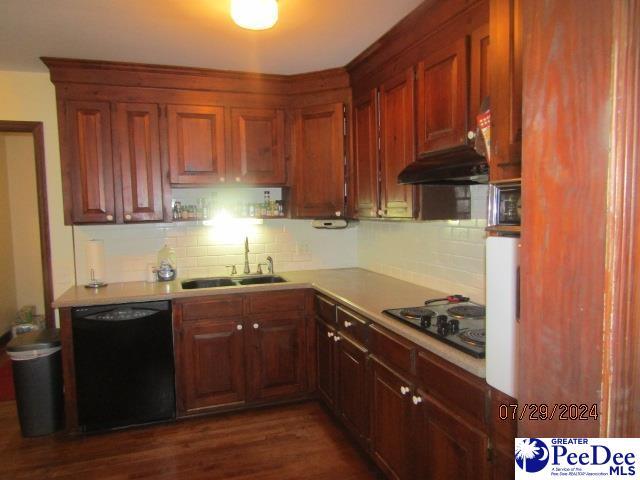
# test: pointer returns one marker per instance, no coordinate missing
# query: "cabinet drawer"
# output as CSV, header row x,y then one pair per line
x,y
353,326
212,307
451,386
393,349
282,301
325,309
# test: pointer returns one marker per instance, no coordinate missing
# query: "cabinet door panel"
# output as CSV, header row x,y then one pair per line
x,y
479,72
91,163
442,98
319,161
353,394
211,369
276,355
365,131
391,424
196,144
326,362
397,144
447,447
140,166
258,146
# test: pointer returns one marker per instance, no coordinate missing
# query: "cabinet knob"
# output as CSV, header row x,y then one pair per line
x,y
256,326
127,217
338,213
417,400
336,338
471,134
330,334
380,212
238,327
347,324
404,390
110,218
222,179
237,179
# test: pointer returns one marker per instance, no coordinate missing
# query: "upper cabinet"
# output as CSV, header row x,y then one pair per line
x,y
89,187
258,156
196,144
397,144
365,144
319,161
138,161
443,102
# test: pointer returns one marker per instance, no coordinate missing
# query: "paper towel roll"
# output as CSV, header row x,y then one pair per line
x,y
95,260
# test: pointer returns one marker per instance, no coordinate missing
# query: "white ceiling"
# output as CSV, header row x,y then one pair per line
x,y
310,35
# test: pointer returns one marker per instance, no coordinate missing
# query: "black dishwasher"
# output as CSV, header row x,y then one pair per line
x,y
123,365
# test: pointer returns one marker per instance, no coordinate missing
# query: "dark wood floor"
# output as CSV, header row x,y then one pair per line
x,y
288,442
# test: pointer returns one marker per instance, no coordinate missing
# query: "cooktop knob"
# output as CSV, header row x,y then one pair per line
x,y
425,321
454,325
444,330
441,320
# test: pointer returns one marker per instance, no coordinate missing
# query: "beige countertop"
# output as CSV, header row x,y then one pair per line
x,y
363,291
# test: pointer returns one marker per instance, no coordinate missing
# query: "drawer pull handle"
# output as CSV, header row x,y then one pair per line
x,y
329,334
256,326
347,324
110,218
336,338
238,327
417,400
404,390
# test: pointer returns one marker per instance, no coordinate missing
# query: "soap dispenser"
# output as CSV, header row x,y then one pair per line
x,y
166,264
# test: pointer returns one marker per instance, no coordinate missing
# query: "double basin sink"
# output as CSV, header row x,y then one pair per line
x,y
231,281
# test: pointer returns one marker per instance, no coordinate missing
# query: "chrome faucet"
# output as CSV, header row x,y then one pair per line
x,y
270,265
246,270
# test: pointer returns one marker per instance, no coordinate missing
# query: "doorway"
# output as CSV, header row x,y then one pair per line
x,y
24,224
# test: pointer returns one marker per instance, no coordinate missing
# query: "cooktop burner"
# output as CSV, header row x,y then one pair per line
x,y
476,336
417,312
461,326
467,311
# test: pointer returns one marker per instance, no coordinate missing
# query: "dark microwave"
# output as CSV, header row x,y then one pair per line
x,y
505,204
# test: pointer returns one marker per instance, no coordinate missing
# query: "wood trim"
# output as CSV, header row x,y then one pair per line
x,y
621,352
68,371
36,129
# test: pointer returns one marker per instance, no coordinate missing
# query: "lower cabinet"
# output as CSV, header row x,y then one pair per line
x,y
325,359
446,446
352,387
391,422
211,368
275,355
227,356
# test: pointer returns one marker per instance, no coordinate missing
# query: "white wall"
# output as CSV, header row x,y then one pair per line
x,y
444,255
204,251
31,97
20,164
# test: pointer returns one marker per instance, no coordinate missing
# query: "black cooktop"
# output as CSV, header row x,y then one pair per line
x,y
460,324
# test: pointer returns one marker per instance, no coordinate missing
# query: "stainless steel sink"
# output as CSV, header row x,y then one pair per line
x,y
231,281
261,280
208,283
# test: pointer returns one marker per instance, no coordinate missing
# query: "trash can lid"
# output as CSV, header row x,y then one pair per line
x,y
39,340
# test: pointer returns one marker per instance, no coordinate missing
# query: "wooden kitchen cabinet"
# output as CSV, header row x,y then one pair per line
x,y
391,422
258,156
211,365
319,161
88,178
446,446
325,358
365,142
276,355
443,101
397,145
351,370
138,161
197,147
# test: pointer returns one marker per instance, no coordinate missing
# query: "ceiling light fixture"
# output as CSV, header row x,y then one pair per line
x,y
255,14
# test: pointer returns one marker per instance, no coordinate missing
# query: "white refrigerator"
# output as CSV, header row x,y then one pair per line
x,y
502,291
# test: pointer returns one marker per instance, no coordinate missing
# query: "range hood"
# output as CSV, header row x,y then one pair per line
x,y
460,165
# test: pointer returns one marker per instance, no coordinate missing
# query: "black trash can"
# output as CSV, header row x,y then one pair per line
x,y
37,376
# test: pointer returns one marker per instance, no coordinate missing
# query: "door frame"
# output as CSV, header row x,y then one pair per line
x,y
36,129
